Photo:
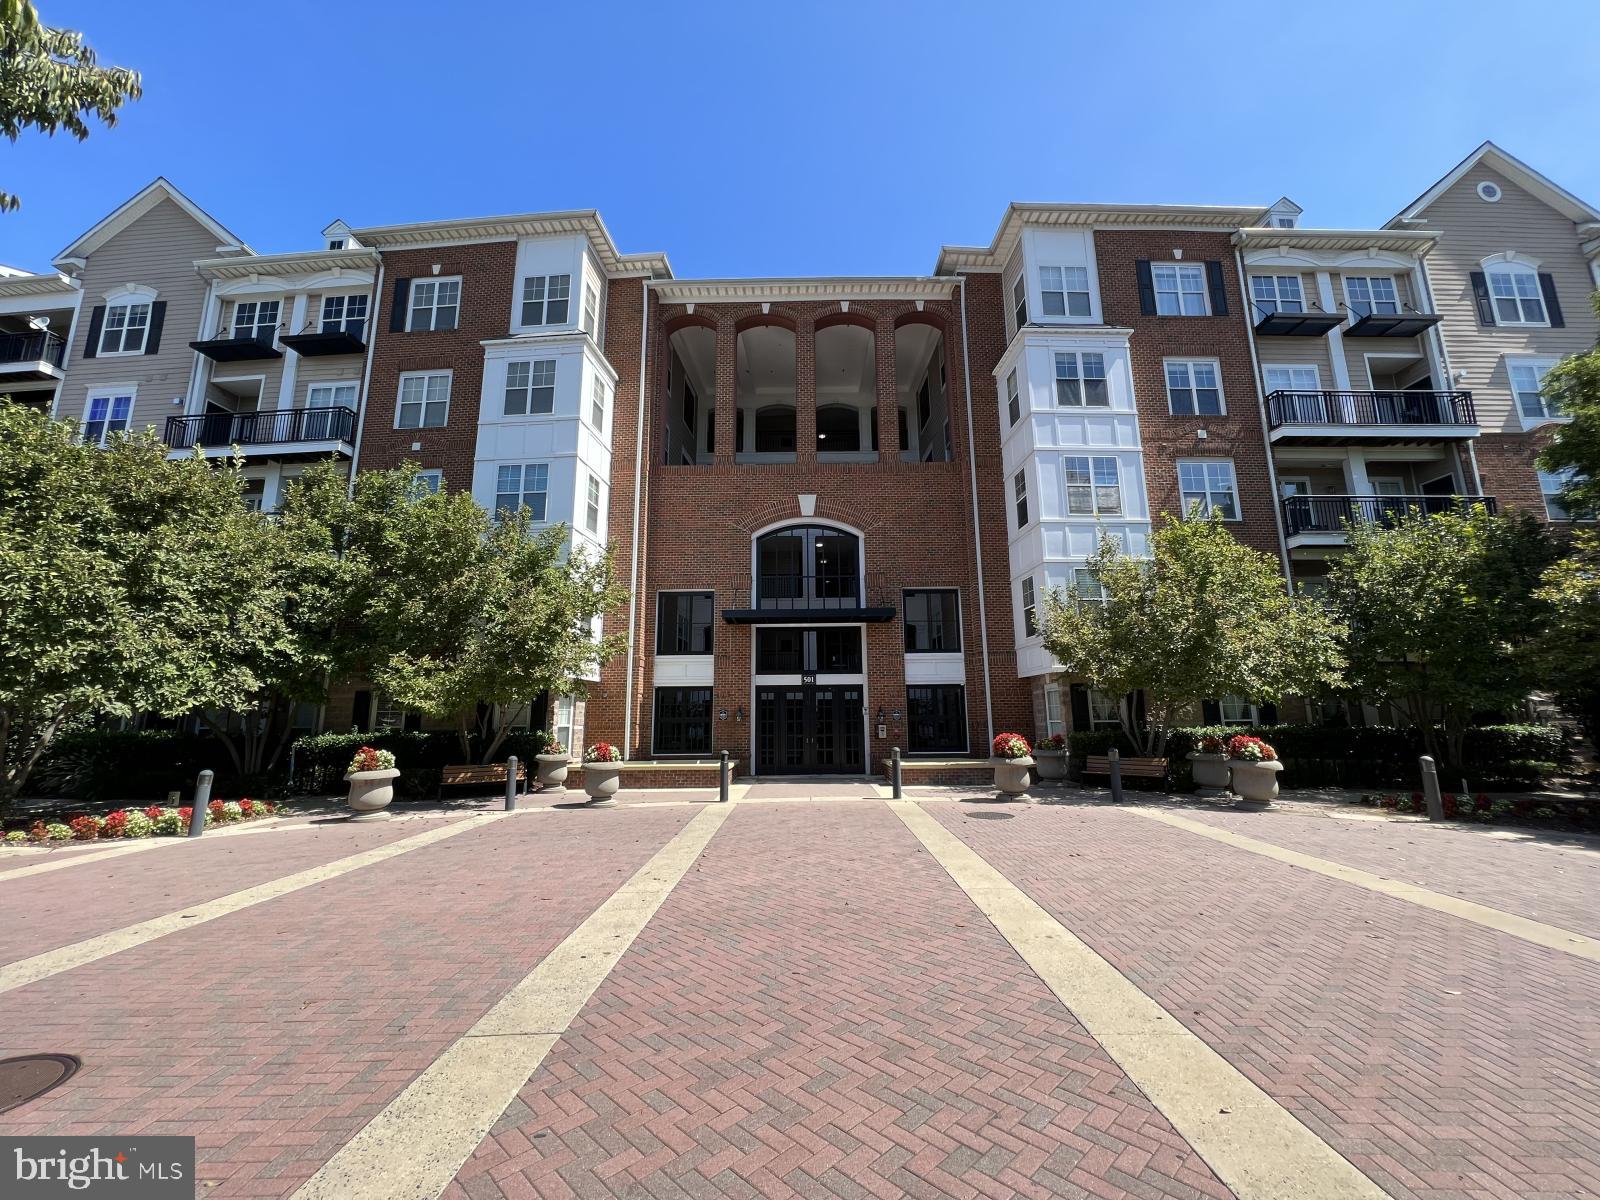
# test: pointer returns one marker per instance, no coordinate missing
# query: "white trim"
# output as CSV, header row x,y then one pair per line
x,y
411,302
109,391
127,296
1542,363
1189,363
1233,472
137,206
1178,266
399,390
1514,169
1510,263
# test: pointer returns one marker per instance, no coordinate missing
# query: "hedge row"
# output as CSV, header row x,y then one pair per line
x,y
321,759
1498,757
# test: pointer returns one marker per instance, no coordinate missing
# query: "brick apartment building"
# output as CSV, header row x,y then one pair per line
x,y
837,504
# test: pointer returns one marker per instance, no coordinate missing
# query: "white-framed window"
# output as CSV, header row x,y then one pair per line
x,y
424,400
1194,388
336,243
107,412
1030,608
1013,398
1087,587
1515,293
322,398
435,304
1094,487
1081,380
1527,385
428,481
344,314
530,388
1102,710
522,484
1064,291
1366,295
1207,486
1292,377
1236,710
1180,289
591,508
597,404
561,722
256,320
1019,301
1277,293
591,311
1019,489
546,299
1053,722
125,328
1551,484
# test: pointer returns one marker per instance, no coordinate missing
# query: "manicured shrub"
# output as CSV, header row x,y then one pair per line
x,y
16,838
169,823
138,826
38,832
85,828
115,824
57,832
232,812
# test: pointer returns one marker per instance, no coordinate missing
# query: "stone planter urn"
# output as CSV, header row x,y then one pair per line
x,y
550,772
1011,775
601,781
370,793
1051,764
1256,782
1210,770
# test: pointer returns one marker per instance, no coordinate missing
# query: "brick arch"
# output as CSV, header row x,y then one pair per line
x,y
776,317
687,320
924,316
862,320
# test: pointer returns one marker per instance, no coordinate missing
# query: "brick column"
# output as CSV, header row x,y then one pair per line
x,y
887,384
805,391
727,392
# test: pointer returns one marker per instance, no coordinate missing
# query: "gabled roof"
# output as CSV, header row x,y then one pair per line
x,y
482,229
1519,172
135,208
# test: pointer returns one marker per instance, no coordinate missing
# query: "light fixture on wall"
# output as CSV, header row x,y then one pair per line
x,y
738,714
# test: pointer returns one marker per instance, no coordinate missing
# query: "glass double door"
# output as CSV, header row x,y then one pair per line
x,y
809,728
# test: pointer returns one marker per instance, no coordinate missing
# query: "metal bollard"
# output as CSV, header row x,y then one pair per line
x,y
896,788
1114,757
1430,788
722,778
511,784
202,797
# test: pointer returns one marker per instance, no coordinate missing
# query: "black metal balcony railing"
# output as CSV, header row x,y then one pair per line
x,y
1332,514
808,591
1370,408
39,346
333,424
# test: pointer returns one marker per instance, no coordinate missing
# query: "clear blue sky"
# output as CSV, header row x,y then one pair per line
x,y
753,139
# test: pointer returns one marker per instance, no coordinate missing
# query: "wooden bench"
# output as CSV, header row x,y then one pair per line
x,y
475,773
1132,768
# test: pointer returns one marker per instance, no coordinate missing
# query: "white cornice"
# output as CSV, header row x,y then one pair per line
x,y
1333,247
50,284
751,291
509,228
309,262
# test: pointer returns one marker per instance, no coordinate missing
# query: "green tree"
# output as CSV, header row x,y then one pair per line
x,y
49,80
1442,614
124,577
1568,651
1574,386
1204,616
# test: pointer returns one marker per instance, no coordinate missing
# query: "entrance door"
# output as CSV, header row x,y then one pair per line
x,y
809,729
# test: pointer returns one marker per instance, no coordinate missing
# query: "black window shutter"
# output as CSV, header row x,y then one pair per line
x,y
158,318
1480,296
361,712
1210,712
1147,288
1078,697
402,300
1219,291
1268,714
97,318
1552,306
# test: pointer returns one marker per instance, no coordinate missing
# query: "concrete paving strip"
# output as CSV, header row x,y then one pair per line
x,y
53,962
1257,1147
1550,936
73,860
438,1121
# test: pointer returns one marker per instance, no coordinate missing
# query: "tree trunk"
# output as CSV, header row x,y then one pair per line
x,y
500,733
466,738
12,778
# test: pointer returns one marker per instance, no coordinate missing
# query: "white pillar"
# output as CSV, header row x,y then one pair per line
x,y
1355,473
291,360
1341,369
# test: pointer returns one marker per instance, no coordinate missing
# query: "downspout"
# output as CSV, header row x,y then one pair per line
x,y
1437,336
638,499
1266,436
366,374
977,531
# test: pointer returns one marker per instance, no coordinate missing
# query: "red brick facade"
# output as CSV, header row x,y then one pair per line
x,y
1506,467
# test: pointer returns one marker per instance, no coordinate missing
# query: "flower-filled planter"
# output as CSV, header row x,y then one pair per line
x,y
1255,769
371,778
1011,756
1050,756
550,772
602,774
1209,760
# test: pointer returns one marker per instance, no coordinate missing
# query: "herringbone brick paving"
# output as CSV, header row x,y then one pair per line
x,y
274,1034
1533,878
1445,1060
818,1010
92,898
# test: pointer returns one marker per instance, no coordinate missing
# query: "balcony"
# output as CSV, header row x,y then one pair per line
x,y
237,349
281,431
35,356
817,599
1323,520
1311,418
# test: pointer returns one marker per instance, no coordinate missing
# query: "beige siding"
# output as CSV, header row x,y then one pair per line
x,y
158,251
1472,229
1297,352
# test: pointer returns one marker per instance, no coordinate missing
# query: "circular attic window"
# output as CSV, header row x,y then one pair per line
x,y
1489,191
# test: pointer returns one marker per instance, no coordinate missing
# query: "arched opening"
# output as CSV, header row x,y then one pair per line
x,y
764,368
807,567
847,393
922,392
690,436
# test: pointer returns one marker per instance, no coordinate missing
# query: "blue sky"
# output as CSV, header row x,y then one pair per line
x,y
848,138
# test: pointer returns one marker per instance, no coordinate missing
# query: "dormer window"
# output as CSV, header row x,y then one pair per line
x,y
1283,222
336,243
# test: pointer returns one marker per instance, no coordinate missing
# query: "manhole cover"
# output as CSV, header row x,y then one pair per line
x,y
991,816
32,1075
